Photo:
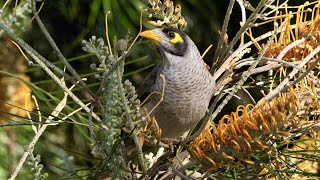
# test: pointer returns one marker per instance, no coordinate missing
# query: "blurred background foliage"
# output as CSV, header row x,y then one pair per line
x,y
65,148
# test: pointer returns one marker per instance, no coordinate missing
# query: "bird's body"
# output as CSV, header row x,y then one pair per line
x,y
187,85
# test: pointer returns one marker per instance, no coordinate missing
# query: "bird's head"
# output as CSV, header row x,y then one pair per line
x,y
170,40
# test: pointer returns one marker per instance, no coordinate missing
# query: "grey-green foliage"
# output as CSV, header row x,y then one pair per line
x,y
115,97
36,167
165,13
131,100
18,18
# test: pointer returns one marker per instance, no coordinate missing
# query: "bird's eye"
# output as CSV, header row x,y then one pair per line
x,y
171,34
174,37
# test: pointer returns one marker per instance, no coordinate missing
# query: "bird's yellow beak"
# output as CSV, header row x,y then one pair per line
x,y
150,34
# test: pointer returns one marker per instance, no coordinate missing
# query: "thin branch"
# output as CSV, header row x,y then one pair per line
x,y
175,172
241,81
282,86
156,166
227,63
205,119
85,91
289,47
243,16
224,30
243,11
248,61
304,74
248,93
266,67
93,136
31,145
246,25
180,169
45,64
30,49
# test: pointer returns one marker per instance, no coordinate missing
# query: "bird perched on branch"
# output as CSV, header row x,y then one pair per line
x,y
181,85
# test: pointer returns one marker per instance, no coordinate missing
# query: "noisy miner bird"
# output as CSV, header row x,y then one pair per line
x,y
182,79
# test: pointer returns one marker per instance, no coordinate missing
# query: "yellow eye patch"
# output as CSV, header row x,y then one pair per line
x,y
177,38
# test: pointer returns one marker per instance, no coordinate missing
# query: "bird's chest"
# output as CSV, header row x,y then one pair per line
x,y
187,90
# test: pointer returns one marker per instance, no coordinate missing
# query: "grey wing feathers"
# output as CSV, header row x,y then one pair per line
x,y
148,86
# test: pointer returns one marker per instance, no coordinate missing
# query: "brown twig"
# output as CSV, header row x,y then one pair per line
x,y
216,60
